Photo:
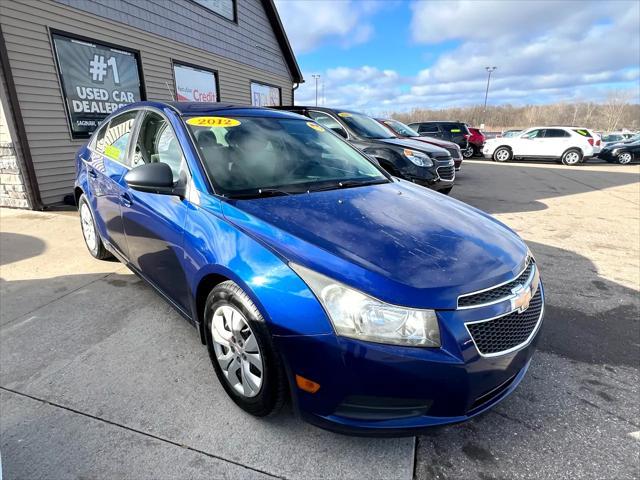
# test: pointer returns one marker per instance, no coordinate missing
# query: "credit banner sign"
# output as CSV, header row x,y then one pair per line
x,y
96,80
264,95
194,84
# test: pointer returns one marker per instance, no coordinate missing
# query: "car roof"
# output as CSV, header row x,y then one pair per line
x,y
212,108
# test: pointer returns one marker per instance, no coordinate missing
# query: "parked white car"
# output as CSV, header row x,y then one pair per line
x,y
570,145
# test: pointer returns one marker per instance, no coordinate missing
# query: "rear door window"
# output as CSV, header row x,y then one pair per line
x,y
115,142
556,133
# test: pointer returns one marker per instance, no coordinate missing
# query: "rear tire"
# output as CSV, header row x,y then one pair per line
x,y
90,232
502,154
573,156
468,152
244,358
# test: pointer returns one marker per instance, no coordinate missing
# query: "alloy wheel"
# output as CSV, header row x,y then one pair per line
x,y
237,350
468,152
624,158
572,158
88,228
502,155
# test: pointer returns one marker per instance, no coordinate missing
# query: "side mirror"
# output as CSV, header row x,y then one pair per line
x,y
153,178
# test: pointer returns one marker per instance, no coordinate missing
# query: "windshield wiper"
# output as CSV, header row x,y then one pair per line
x,y
260,192
348,184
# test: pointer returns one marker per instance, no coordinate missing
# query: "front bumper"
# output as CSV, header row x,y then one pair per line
x,y
375,389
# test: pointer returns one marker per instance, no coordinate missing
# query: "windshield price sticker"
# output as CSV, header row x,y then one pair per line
x,y
582,132
455,130
315,126
344,114
213,122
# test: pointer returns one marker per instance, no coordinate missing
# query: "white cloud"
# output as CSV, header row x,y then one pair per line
x,y
545,52
311,23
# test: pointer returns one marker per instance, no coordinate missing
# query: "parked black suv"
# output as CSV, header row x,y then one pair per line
x,y
418,162
456,132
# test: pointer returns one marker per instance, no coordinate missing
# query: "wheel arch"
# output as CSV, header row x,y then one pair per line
x,y
77,193
206,284
579,149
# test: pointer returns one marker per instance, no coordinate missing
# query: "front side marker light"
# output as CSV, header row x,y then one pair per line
x,y
307,385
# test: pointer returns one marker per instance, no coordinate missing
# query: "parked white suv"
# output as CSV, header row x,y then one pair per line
x,y
570,145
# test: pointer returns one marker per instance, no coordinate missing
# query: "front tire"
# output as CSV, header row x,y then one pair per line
x,y
242,352
90,232
502,154
572,156
446,191
624,158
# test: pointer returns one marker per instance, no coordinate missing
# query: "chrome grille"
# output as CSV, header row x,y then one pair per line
x,y
447,173
498,293
507,333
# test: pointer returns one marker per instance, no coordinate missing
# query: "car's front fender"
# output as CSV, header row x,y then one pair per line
x,y
214,247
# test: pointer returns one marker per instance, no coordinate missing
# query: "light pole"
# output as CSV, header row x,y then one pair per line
x,y
490,70
316,76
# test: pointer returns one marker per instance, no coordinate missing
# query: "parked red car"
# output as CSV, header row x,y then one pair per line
x,y
476,142
401,130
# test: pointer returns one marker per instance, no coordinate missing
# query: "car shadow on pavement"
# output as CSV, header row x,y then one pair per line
x,y
112,350
534,184
578,403
16,246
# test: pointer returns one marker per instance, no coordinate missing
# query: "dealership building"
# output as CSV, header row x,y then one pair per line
x,y
66,64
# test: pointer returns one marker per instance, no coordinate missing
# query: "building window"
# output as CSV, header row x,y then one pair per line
x,y
195,84
96,80
265,95
224,8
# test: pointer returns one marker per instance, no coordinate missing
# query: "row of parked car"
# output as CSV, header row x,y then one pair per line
x,y
568,144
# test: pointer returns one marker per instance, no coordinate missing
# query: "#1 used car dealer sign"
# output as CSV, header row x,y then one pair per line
x,y
96,80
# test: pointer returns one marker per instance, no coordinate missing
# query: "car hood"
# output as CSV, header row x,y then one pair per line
x,y
434,141
413,144
398,242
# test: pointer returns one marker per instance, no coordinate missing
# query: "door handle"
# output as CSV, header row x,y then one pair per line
x,y
125,200
92,173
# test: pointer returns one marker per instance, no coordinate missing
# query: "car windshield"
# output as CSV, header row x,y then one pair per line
x,y
512,133
365,126
400,128
259,156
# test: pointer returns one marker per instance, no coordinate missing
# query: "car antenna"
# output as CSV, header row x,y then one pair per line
x,y
170,91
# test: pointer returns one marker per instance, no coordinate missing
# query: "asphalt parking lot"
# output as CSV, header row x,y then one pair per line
x,y
100,378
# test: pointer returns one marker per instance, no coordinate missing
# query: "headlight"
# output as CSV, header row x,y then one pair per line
x,y
418,158
356,315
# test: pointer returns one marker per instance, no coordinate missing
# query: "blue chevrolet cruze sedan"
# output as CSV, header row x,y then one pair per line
x,y
378,306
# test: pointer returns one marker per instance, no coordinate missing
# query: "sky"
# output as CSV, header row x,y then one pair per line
x,y
392,55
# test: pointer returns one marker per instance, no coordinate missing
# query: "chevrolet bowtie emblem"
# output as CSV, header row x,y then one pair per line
x,y
521,298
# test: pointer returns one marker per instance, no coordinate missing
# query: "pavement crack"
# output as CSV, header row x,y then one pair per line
x,y
140,432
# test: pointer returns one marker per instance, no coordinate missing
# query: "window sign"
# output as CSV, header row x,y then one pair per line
x,y
96,80
225,8
264,95
194,84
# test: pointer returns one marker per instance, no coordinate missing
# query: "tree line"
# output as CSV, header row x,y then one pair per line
x,y
614,114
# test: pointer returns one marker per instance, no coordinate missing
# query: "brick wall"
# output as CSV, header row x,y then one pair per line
x,y
12,188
